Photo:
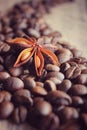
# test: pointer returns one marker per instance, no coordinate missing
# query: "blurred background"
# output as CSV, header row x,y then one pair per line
x,y
69,18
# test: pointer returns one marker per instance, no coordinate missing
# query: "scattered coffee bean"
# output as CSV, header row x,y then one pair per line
x,y
5,96
50,67
39,91
16,71
4,75
49,85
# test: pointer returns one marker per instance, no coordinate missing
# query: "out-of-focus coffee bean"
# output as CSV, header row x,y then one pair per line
x,y
65,85
12,84
1,68
6,109
4,75
82,79
73,72
29,83
76,52
22,96
58,75
77,101
5,96
39,84
58,97
55,80
19,115
37,90
65,66
64,55
84,71
49,85
4,48
84,119
68,113
1,60
33,32
50,67
50,122
9,58
78,89
16,71
43,108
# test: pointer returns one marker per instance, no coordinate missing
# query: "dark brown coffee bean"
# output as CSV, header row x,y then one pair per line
x,y
1,68
65,85
68,113
84,119
58,97
43,108
50,67
1,60
12,84
57,75
16,71
5,96
73,72
77,101
64,55
50,122
4,48
49,85
19,115
84,71
22,96
37,90
65,66
55,80
39,84
4,75
29,83
6,109
78,89
82,79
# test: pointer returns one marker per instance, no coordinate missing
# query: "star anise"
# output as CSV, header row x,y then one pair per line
x,y
32,47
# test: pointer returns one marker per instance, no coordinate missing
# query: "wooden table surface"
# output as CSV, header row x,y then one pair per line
x,y
71,20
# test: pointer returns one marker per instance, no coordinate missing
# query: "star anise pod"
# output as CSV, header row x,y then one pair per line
x,y
32,47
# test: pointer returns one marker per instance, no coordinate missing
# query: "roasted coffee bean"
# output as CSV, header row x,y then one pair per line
x,y
33,32
77,101
57,75
50,122
65,66
1,60
55,80
39,84
4,75
65,85
5,96
43,108
49,85
76,52
84,71
4,48
12,84
38,90
50,67
16,71
22,96
78,89
82,79
29,83
73,72
19,115
1,68
64,55
6,108
68,113
58,98
84,119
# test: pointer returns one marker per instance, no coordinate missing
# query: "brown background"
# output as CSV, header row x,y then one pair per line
x,y
71,20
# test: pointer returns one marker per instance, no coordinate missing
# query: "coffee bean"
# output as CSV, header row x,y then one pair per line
x,y
49,85
39,84
1,60
16,71
78,89
77,101
4,48
84,120
58,98
55,80
29,83
50,67
4,75
65,85
6,109
73,72
57,75
5,96
39,91
33,32
12,84
19,115
1,68
22,96
43,108
76,52
84,71
65,66
82,79
68,113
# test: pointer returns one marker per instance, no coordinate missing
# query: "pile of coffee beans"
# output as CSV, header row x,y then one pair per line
x,y
57,100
